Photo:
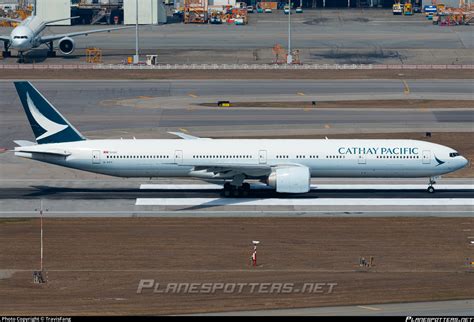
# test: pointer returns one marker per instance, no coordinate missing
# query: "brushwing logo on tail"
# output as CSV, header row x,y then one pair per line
x,y
49,126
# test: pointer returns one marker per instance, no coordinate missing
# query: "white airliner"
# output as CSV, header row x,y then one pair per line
x,y
26,36
285,165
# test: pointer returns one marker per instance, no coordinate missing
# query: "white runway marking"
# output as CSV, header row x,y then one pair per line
x,y
369,308
258,186
302,202
181,186
391,187
236,213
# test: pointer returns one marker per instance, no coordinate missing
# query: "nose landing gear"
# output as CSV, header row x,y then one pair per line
x,y
431,189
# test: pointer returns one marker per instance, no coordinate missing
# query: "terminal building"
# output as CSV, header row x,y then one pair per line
x,y
94,11
155,11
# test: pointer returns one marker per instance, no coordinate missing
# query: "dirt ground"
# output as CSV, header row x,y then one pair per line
x,y
237,74
94,265
408,103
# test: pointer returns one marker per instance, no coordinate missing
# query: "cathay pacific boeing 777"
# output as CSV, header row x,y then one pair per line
x,y
287,165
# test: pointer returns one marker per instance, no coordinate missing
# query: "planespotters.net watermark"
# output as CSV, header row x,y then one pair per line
x,y
439,319
154,287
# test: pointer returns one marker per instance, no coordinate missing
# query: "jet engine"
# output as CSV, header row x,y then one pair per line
x,y
290,179
66,45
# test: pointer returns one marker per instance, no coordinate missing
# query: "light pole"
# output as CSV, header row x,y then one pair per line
x,y
289,57
41,228
38,276
136,58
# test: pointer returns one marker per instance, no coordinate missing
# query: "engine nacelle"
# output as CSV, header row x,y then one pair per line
x,y
290,179
66,45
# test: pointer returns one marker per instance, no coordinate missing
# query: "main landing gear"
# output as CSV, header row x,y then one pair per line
x,y
51,51
431,189
231,190
21,57
6,52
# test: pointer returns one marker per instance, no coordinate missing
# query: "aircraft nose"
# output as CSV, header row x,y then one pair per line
x,y
17,44
20,44
463,162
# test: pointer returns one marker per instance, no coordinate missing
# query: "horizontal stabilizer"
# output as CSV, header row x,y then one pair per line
x,y
24,143
49,151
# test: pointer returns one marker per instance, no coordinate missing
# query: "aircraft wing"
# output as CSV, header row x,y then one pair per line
x,y
187,136
49,38
253,170
10,19
57,20
4,38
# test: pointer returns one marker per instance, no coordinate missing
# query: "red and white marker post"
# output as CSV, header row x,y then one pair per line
x,y
254,254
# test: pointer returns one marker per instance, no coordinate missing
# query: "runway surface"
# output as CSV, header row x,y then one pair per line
x,y
100,106
315,202
91,90
118,198
189,191
439,308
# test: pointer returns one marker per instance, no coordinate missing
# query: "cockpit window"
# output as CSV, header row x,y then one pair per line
x,y
453,154
20,37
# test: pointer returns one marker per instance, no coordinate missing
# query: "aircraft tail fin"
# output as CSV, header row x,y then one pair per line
x,y
48,125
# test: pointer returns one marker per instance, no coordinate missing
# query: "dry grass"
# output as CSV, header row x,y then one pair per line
x,y
240,74
94,265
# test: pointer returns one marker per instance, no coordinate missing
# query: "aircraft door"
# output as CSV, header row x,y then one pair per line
x,y
178,157
262,157
96,157
426,157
